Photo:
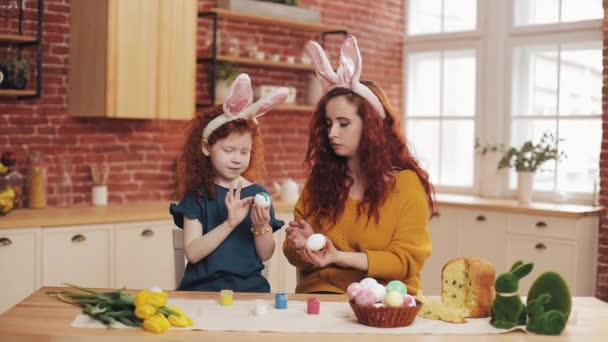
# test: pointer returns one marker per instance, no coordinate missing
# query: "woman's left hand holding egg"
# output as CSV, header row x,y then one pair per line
x,y
328,255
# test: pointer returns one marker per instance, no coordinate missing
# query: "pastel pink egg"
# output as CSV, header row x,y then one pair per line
x,y
365,297
353,290
409,301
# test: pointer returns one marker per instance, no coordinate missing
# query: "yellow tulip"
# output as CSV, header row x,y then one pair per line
x,y
145,311
155,299
157,323
181,321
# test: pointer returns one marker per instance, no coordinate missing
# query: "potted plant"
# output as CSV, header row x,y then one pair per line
x,y
527,159
489,180
15,72
226,73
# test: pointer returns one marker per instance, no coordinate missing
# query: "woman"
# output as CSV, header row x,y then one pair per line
x,y
365,191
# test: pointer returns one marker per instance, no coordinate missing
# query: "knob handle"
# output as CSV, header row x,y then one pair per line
x,y
78,238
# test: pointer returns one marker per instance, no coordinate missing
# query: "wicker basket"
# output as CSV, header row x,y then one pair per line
x,y
385,317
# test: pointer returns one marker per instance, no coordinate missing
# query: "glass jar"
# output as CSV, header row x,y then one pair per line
x,y
64,188
16,181
36,182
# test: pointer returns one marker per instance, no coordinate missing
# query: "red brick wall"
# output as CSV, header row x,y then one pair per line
x,y
142,152
602,268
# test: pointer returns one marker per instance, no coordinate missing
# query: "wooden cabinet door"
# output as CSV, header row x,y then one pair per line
x,y
19,265
79,255
546,254
482,234
444,236
144,255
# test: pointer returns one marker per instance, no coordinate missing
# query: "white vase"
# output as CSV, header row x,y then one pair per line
x,y
99,195
222,89
525,182
490,178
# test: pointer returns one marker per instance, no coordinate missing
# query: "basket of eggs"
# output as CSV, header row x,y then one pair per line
x,y
382,306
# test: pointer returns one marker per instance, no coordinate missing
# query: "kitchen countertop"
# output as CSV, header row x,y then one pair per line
x,y
151,211
43,318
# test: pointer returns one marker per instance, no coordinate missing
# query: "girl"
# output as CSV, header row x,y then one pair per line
x,y
224,244
365,191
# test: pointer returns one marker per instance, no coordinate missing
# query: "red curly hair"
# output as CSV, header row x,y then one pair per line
x,y
195,171
382,150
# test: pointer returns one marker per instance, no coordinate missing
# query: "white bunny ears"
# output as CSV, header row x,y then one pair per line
x,y
238,104
349,71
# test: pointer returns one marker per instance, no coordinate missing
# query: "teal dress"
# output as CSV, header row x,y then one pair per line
x,y
234,264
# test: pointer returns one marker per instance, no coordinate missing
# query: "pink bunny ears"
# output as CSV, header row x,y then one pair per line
x,y
238,104
349,71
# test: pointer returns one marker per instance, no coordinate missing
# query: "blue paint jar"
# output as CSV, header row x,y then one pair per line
x,y
280,301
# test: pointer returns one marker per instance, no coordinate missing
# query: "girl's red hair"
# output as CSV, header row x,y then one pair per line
x,y
195,171
382,150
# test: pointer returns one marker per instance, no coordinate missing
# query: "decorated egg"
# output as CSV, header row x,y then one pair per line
x,y
365,297
396,285
316,242
262,199
410,301
393,299
353,290
379,291
368,282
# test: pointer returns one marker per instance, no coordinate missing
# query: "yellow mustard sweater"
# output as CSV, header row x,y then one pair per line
x,y
396,247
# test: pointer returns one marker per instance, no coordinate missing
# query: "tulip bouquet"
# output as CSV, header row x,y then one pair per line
x,y
147,309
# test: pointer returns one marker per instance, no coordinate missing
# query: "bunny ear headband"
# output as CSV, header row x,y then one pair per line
x,y
238,104
349,71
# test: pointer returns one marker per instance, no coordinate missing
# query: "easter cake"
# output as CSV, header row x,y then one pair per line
x,y
468,283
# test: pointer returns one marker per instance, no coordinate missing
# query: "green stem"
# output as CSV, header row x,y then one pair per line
x,y
83,289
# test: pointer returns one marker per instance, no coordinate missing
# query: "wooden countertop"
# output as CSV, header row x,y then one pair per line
x,y
43,318
151,211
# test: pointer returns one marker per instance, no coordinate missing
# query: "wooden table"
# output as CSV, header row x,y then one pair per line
x,y
43,318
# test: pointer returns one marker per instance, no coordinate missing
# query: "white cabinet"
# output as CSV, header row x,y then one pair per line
x,y
144,255
562,244
19,265
81,255
280,273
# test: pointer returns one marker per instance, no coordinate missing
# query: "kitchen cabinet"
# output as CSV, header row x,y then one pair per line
x,y
19,265
144,255
567,245
79,255
132,59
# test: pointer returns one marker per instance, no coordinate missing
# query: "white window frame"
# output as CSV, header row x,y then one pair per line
x,y
494,45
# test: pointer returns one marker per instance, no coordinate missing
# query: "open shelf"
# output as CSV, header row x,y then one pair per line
x,y
288,23
17,38
15,92
283,107
257,62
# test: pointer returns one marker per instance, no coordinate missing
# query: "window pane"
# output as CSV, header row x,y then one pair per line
x,y
534,86
459,77
581,79
457,152
575,10
531,12
423,139
582,142
424,16
523,130
459,15
423,84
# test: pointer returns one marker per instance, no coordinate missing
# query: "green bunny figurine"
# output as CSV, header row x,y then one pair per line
x,y
508,310
549,304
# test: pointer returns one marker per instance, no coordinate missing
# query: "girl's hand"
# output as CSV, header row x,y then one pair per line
x,y
298,232
260,216
328,255
237,207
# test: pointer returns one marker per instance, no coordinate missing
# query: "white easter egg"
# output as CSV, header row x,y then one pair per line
x,y
368,282
379,291
315,242
262,199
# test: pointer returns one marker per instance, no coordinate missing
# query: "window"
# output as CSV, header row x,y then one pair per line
x,y
506,80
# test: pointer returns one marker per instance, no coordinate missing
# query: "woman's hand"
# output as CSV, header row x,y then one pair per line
x,y
298,232
260,216
237,207
326,256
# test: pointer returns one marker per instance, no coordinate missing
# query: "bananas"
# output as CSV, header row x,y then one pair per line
x,y
7,200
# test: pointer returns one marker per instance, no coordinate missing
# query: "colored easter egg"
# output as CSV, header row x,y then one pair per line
x,y
393,299
379,291
396,285
365,297
368,282
409,300
316,242
262,199
353,290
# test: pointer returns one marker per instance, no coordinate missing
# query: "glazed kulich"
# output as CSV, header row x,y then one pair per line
x,y
468,282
